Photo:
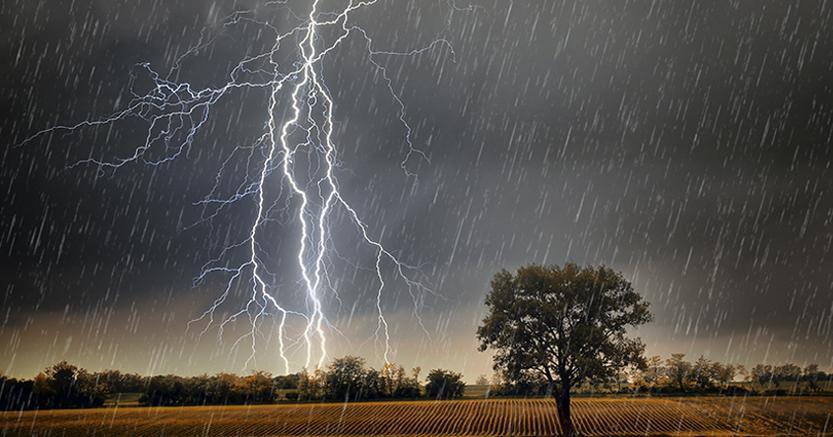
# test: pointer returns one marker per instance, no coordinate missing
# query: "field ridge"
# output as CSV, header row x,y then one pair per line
x,y
501,416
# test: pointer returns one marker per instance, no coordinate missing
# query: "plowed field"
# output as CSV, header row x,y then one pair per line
x,y
593,416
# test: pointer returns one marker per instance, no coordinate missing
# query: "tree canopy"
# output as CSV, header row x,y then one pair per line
x,y
567,324
444,384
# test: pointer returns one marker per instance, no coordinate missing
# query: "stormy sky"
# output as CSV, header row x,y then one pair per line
x,y
688,145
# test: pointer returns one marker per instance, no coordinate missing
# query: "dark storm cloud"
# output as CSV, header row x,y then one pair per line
x,y
688,145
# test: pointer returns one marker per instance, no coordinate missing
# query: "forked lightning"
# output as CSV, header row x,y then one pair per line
x,y
175,113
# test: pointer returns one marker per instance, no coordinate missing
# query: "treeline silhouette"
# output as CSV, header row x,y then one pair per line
x,y
676,375
345,379
348,379
64,385
59,386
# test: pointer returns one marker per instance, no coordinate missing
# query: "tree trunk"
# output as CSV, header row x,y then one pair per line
x,y
562,405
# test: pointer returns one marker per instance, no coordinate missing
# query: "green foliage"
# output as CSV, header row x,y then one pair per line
x,y
59,386
220,389
67,386
118,382
566,324
706,376
311,385
525,384
773,376
702,373
813,377
678,371
17,394
287,382
675,375
444,384
394,383
348,380
259,388
652,373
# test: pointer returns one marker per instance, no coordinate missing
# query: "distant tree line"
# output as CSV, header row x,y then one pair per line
x,y
676,375
59,386
219,389
707,376
346,379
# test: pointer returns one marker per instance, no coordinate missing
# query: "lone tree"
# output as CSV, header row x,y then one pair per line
x,y
567,324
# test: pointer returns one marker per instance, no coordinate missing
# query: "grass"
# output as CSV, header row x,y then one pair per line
x,y
593,416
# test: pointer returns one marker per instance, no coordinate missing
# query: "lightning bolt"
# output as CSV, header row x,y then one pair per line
x,y
175,112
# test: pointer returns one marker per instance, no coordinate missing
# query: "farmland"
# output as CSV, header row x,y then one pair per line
x,y
593,416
